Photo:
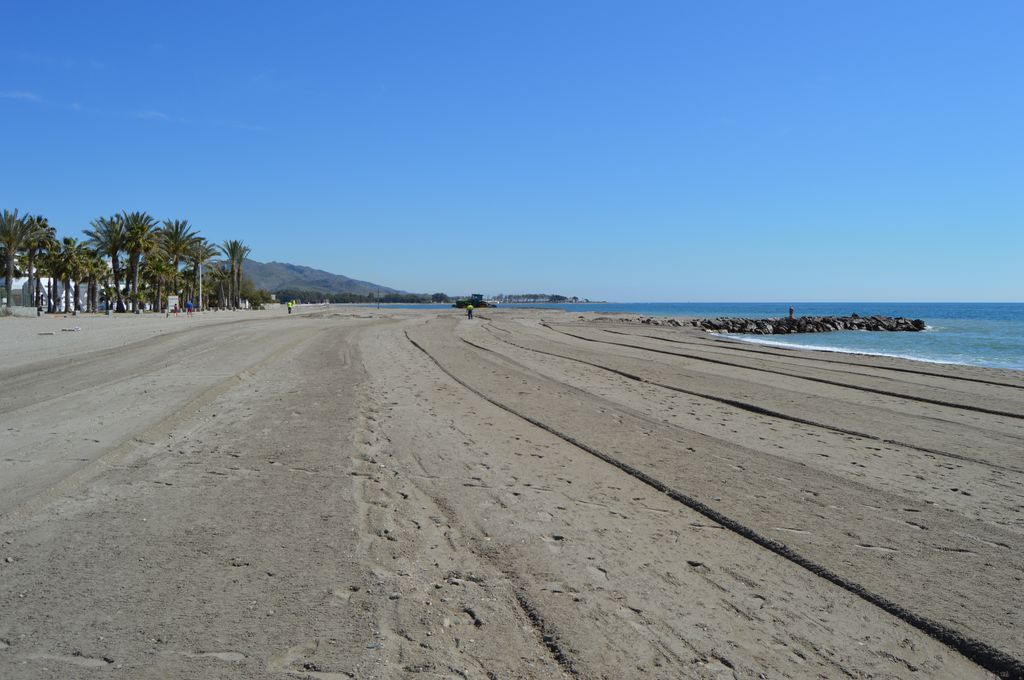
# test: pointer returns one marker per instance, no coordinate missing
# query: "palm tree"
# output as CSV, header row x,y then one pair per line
x,y
231,250
73,269
236,252
48,247
46,266
201,252
96,272
107,236
40,235
177,239
220,276
15,234
238,274
158,272
57,266
140,236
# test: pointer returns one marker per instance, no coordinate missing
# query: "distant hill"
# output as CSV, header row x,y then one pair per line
x,y
274,276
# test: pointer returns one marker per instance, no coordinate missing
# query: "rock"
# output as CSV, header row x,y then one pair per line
x,y
803,324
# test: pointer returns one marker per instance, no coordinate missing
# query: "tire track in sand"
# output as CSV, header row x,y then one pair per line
x,y
735,345
759,410
985,655
824,381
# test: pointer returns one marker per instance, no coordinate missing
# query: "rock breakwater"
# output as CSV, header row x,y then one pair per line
x,y
809,324
783,325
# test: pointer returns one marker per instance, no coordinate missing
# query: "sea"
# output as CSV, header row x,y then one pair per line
x,y
976,334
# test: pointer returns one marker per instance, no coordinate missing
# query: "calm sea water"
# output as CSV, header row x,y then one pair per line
x,y
979,334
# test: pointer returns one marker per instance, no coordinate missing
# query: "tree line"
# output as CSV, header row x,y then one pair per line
x,y
534,297
128,260
302,295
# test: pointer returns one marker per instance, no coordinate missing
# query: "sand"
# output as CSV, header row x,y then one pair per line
x,y
404,493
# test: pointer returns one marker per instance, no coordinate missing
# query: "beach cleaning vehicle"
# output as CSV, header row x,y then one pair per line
x,y
476,299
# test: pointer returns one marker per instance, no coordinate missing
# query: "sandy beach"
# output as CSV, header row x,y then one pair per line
x,y
360,493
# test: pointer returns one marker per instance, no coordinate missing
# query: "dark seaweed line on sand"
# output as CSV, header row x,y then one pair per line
x,y
835,383
760,410
983,654
790,352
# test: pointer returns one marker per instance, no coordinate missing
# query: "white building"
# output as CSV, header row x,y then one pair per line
x,y
22,288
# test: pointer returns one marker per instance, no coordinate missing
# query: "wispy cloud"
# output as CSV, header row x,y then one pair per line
x,y
152,115
147,114
23,95
161,117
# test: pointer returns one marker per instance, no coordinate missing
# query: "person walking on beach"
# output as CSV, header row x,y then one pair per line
x,y
291,303
188,309
469,311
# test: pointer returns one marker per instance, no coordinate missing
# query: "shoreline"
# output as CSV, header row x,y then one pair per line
x,y
631,319
51,321
855,352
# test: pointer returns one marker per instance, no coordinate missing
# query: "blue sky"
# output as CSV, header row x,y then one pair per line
x,y
626,151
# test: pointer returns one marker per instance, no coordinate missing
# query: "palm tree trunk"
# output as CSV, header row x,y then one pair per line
x,y
37,297
78,296
134,266
115,264
49,295
9,275
67,294
29,254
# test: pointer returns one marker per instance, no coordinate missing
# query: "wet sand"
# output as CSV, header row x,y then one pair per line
x,y
533,494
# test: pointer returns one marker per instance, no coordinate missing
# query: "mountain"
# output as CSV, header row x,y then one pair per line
x,y
274,276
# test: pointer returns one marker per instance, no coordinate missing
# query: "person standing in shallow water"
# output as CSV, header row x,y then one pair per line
x,y
469,311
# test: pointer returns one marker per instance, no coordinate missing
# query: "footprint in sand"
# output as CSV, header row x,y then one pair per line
x,y
341,595
281,662
553,542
